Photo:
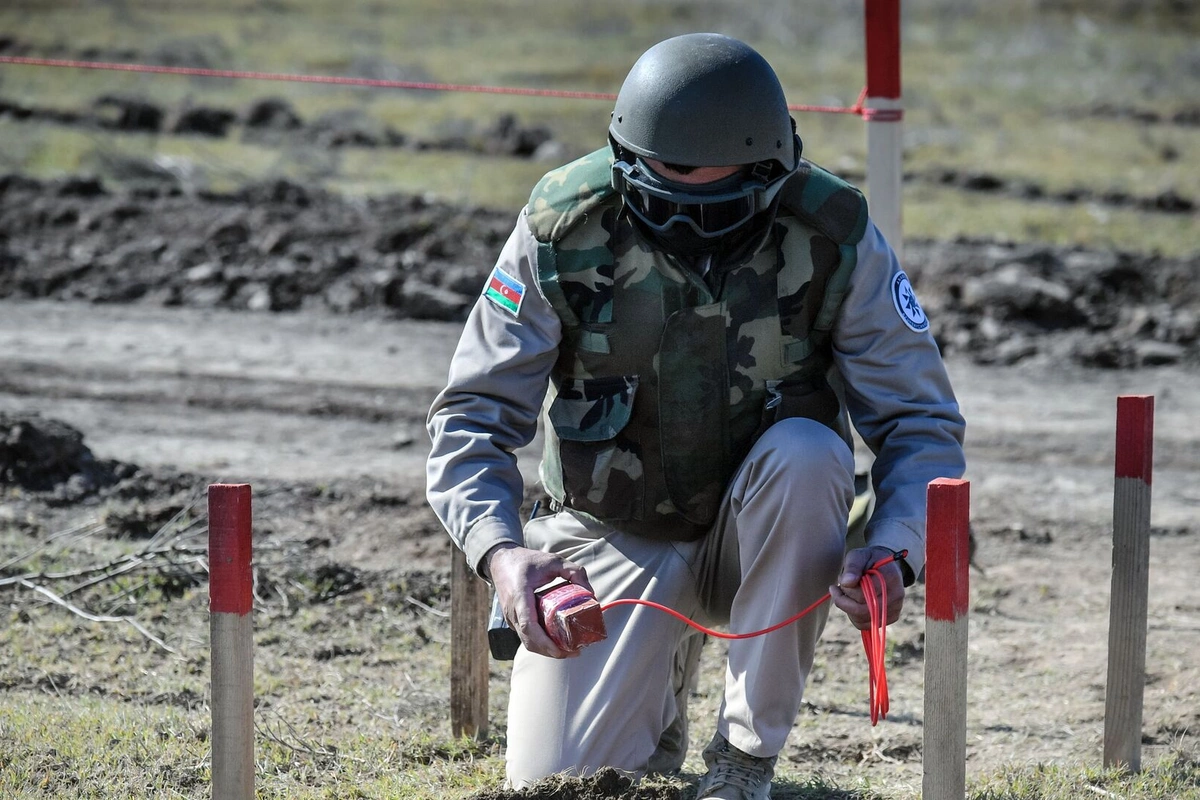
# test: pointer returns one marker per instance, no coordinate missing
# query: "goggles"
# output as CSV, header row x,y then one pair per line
x,y
710,209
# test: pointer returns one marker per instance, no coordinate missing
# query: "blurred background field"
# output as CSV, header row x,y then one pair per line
x,y
1082,101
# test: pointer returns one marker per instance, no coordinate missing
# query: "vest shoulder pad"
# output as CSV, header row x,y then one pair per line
x,y
564,197
824,201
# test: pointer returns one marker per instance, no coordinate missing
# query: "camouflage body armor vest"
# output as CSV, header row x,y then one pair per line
x,y
663,380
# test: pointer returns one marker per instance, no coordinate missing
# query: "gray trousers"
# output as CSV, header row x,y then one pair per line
x,y
776,547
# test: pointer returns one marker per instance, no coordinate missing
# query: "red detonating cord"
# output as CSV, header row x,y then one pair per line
x,y
874,638
874,641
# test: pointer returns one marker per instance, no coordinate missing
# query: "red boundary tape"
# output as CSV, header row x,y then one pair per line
x,y
198,72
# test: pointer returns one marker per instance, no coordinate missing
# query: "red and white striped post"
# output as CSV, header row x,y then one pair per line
x,y
885,134
947,602
1130,582
230,598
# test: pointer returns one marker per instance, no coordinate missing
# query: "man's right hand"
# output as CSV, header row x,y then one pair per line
x,y
516,572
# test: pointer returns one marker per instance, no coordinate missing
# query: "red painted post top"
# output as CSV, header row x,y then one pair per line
x,y
947,549
1135,436
230,579
883,48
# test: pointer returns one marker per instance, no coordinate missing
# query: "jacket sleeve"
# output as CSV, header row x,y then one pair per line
x,y
489,409
898,395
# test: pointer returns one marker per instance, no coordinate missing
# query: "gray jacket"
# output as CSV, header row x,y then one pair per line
x,y
896,391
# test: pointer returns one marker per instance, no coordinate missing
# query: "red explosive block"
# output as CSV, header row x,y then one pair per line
x,y
571,616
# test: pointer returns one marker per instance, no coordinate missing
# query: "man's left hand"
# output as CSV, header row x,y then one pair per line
x,y
848,594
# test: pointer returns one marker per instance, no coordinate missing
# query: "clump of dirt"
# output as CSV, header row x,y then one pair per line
x,y
280,246
141,520
272,114
48,455
274,122
605,784
1168,201
423,587
1186,116
508,137
1001,303
274,246
203,121
127,113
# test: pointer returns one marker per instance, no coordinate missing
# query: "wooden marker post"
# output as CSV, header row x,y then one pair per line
x,y
469,604
230,599
947,602
1130,582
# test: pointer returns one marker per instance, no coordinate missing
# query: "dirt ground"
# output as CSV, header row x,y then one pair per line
x,y
318,399
321,407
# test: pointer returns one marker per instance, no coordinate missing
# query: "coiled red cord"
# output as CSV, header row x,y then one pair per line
x,y
874,638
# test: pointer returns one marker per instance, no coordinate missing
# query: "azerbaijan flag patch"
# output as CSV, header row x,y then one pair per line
x,y
505,291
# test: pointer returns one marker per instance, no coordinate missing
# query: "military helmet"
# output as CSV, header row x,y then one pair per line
x,y
705,100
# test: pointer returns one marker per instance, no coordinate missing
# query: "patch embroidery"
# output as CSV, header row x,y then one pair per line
x,y
505,291
906,304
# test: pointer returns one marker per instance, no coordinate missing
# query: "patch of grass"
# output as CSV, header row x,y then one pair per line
x,y
1176,776
90,746
95,747
350,697
454,177
1084,224
1059,153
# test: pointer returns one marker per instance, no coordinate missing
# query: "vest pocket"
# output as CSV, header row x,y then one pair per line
x,y
599,461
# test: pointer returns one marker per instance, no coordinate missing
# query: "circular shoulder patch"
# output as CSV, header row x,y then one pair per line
x,y
906,304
